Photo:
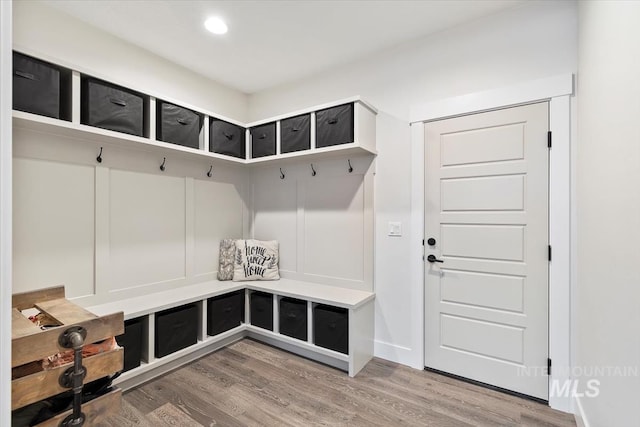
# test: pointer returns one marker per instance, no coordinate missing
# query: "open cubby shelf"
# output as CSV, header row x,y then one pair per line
x,y
357,306
345,127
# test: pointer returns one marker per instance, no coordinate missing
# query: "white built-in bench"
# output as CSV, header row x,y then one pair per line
x,y
359,304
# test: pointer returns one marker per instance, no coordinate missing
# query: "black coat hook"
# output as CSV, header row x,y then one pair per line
x,y
350,167
313,171
210,169
99,158
281,174
164,160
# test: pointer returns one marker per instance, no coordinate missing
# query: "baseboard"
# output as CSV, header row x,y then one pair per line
x,y
395,353
579,415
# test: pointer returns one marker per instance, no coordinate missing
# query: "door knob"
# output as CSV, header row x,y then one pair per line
x,y
432,258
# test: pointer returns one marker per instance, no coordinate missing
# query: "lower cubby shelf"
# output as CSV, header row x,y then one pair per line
x,y
262,300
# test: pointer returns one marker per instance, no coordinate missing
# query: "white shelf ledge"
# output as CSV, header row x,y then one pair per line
x,y
314,292
71,130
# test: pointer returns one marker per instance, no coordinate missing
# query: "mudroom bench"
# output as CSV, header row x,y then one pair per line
x,y
167,329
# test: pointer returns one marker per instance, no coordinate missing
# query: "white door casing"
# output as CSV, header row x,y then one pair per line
x,y
486,205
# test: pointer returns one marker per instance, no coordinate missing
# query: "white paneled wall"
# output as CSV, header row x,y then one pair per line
x,y
53,226
216,207
324,223
147,224
121,228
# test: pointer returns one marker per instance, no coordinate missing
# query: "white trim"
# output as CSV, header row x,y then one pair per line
x,y
6,158
396,353
558,91
417,248
579,415
523,93
560,201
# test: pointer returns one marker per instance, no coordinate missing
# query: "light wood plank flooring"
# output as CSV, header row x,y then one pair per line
x,y
252,384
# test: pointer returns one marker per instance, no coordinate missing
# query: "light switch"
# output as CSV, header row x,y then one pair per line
x,y
395,228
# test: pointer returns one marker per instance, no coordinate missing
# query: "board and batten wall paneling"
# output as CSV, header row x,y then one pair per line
x,y
53,226
147,229
121,228
218,215
276,215
334,226
324,223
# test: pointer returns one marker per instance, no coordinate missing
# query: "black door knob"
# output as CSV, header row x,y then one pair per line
x,y
431,241
432,258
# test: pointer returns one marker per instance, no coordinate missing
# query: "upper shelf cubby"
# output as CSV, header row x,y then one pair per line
x,y
60,100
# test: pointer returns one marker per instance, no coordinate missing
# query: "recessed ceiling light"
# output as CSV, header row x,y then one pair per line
x,y
215,25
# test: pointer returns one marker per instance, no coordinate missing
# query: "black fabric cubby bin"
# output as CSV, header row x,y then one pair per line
x,y
225,312
176,328
108,106
331,328
227,138
263,140
295,134
293,318
261,306
334,126
41,88
131,341
178,125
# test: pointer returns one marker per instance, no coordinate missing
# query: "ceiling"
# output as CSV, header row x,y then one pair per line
x,y
272,42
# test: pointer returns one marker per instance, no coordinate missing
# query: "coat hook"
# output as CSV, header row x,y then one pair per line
x,y
164,160
313,171
281,174
99,158
350,167
210,169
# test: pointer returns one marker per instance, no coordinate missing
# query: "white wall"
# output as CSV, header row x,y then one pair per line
x,y
50,34
5,210
530,41
608,294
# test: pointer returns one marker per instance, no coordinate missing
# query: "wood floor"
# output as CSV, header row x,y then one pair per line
x,y
252,384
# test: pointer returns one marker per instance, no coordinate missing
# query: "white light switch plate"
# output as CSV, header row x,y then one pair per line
x,y
395,228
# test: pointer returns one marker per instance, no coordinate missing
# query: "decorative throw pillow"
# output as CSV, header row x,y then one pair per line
x,y
227,257
256,260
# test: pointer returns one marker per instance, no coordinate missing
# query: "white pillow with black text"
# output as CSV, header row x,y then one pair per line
x,y
256,260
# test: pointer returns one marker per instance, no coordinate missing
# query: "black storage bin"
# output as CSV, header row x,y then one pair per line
x,y
331,328
131,340
263,140
293,318
112,107
176,329
227,138
225,312
41,88
295,134
178,125
262,310
334,126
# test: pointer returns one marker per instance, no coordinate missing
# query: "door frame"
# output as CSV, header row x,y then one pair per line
x,y
558,90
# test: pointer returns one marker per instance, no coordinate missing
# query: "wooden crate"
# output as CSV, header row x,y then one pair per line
x,y
30,343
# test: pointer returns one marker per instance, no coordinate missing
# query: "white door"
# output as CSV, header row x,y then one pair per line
x,y
486,207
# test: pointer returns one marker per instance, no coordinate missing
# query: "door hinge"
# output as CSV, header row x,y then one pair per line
x,y
548,366
549,252
549,139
